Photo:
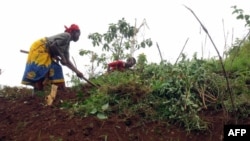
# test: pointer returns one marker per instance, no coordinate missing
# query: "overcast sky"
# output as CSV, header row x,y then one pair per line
x,y
169,22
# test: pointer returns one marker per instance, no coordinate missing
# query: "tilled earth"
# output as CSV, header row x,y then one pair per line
x,y
27,118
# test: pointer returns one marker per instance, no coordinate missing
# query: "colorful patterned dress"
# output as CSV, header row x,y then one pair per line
x,y
40,63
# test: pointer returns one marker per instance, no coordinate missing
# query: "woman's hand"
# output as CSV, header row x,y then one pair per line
x,y
63,62
79,74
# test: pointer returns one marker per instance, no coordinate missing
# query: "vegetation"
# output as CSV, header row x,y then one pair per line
x,y
119,42
176,93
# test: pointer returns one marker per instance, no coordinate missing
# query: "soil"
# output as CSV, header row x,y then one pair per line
x,y
27,118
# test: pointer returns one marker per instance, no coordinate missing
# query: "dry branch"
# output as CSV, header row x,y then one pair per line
x,y
220,58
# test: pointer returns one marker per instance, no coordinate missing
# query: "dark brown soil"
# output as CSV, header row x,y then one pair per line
x,y
26,118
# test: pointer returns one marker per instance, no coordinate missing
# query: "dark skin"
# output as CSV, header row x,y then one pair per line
x,y
129,63
65,60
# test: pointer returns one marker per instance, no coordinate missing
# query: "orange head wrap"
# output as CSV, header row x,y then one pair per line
x,y
71,28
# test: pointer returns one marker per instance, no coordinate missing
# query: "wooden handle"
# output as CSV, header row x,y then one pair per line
x,y
24,51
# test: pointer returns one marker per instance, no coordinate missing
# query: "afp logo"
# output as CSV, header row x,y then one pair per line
x,y
239,132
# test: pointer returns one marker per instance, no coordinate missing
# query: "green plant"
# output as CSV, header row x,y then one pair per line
x,y
96,104
177,91
238,58
74,80
118,39
141,62
241,15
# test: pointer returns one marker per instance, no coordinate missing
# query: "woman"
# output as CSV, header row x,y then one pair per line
x,y
44,55
121,65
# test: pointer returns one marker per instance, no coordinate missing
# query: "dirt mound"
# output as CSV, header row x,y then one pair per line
x,y
26,118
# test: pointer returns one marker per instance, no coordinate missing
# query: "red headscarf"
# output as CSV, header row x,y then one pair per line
x,y
71,28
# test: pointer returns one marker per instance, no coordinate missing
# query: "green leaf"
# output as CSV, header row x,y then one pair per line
x,y
240,16
142,44
247,17
105,106
101,116
93,111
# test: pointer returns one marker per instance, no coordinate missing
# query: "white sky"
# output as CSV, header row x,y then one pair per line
x,y
170,23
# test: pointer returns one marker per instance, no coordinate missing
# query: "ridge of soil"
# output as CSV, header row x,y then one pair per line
x,y
26,118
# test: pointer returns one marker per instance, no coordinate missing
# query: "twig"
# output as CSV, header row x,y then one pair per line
x,y
159,51
74,61
220,58
181,51
225,38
